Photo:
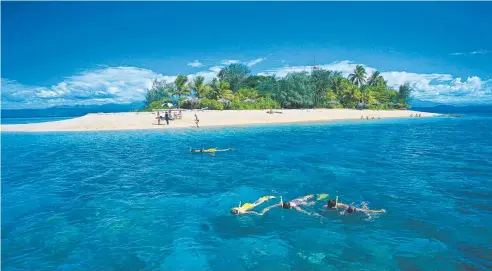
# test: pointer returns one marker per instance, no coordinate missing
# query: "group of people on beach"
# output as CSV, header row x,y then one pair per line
x,y
416,115
177,115
367,117
296,204
168,116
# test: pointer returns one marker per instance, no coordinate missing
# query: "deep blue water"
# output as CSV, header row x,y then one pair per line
x,y
137,200
31,120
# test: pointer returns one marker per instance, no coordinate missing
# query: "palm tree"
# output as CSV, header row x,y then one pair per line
x,y
181,87
351,95
373,79
201,89
359,76
376,79
367,97
337,86
221,90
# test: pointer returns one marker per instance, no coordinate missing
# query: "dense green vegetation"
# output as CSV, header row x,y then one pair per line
x,y
235,88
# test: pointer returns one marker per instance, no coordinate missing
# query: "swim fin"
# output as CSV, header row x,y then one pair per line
x,y
322,196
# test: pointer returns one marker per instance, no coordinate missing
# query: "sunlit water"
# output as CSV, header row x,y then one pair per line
x,y
137,200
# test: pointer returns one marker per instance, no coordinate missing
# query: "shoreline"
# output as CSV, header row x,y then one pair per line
x,y
210,118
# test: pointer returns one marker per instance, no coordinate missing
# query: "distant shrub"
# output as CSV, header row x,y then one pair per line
x,y
258,104
212,104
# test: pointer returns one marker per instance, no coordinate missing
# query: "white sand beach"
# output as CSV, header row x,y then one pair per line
x,y
147,120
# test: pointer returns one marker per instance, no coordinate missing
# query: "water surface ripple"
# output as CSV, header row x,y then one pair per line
x,y
137,200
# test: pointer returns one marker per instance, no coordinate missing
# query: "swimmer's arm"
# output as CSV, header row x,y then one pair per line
x,y
252,212
268,208
304,211
372,211
342,205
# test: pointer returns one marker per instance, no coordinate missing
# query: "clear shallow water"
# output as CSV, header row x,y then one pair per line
x,y
137,200
32,120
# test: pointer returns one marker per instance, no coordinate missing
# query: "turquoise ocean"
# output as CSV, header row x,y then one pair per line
x,y
138,200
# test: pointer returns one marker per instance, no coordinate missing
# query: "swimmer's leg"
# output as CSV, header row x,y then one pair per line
x,y
262,199
308,197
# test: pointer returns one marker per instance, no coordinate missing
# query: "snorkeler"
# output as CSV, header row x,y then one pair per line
x,y
294,204
245,208
212,150
333,203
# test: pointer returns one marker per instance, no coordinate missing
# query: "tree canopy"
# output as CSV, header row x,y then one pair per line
x,y
358,77
234,74
234,88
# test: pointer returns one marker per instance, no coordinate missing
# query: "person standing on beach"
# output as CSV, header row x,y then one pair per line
x,y
197,121
158,118
166,116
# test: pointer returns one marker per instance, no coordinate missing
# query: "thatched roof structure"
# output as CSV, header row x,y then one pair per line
x,y
224,101
191,100
249,101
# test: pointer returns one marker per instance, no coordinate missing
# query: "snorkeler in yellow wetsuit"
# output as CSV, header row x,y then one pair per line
x,y
245,208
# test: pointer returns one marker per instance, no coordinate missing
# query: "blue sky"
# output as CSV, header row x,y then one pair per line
x,y
97,52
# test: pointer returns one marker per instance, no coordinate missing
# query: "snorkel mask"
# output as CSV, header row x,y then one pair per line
x,y
284,205
235,210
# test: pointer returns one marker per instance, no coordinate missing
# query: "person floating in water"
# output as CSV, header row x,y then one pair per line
x,y
334,204
308,200
212,150
246,208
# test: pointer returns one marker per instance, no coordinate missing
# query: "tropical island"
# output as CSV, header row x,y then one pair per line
x,y
235,97
236,89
